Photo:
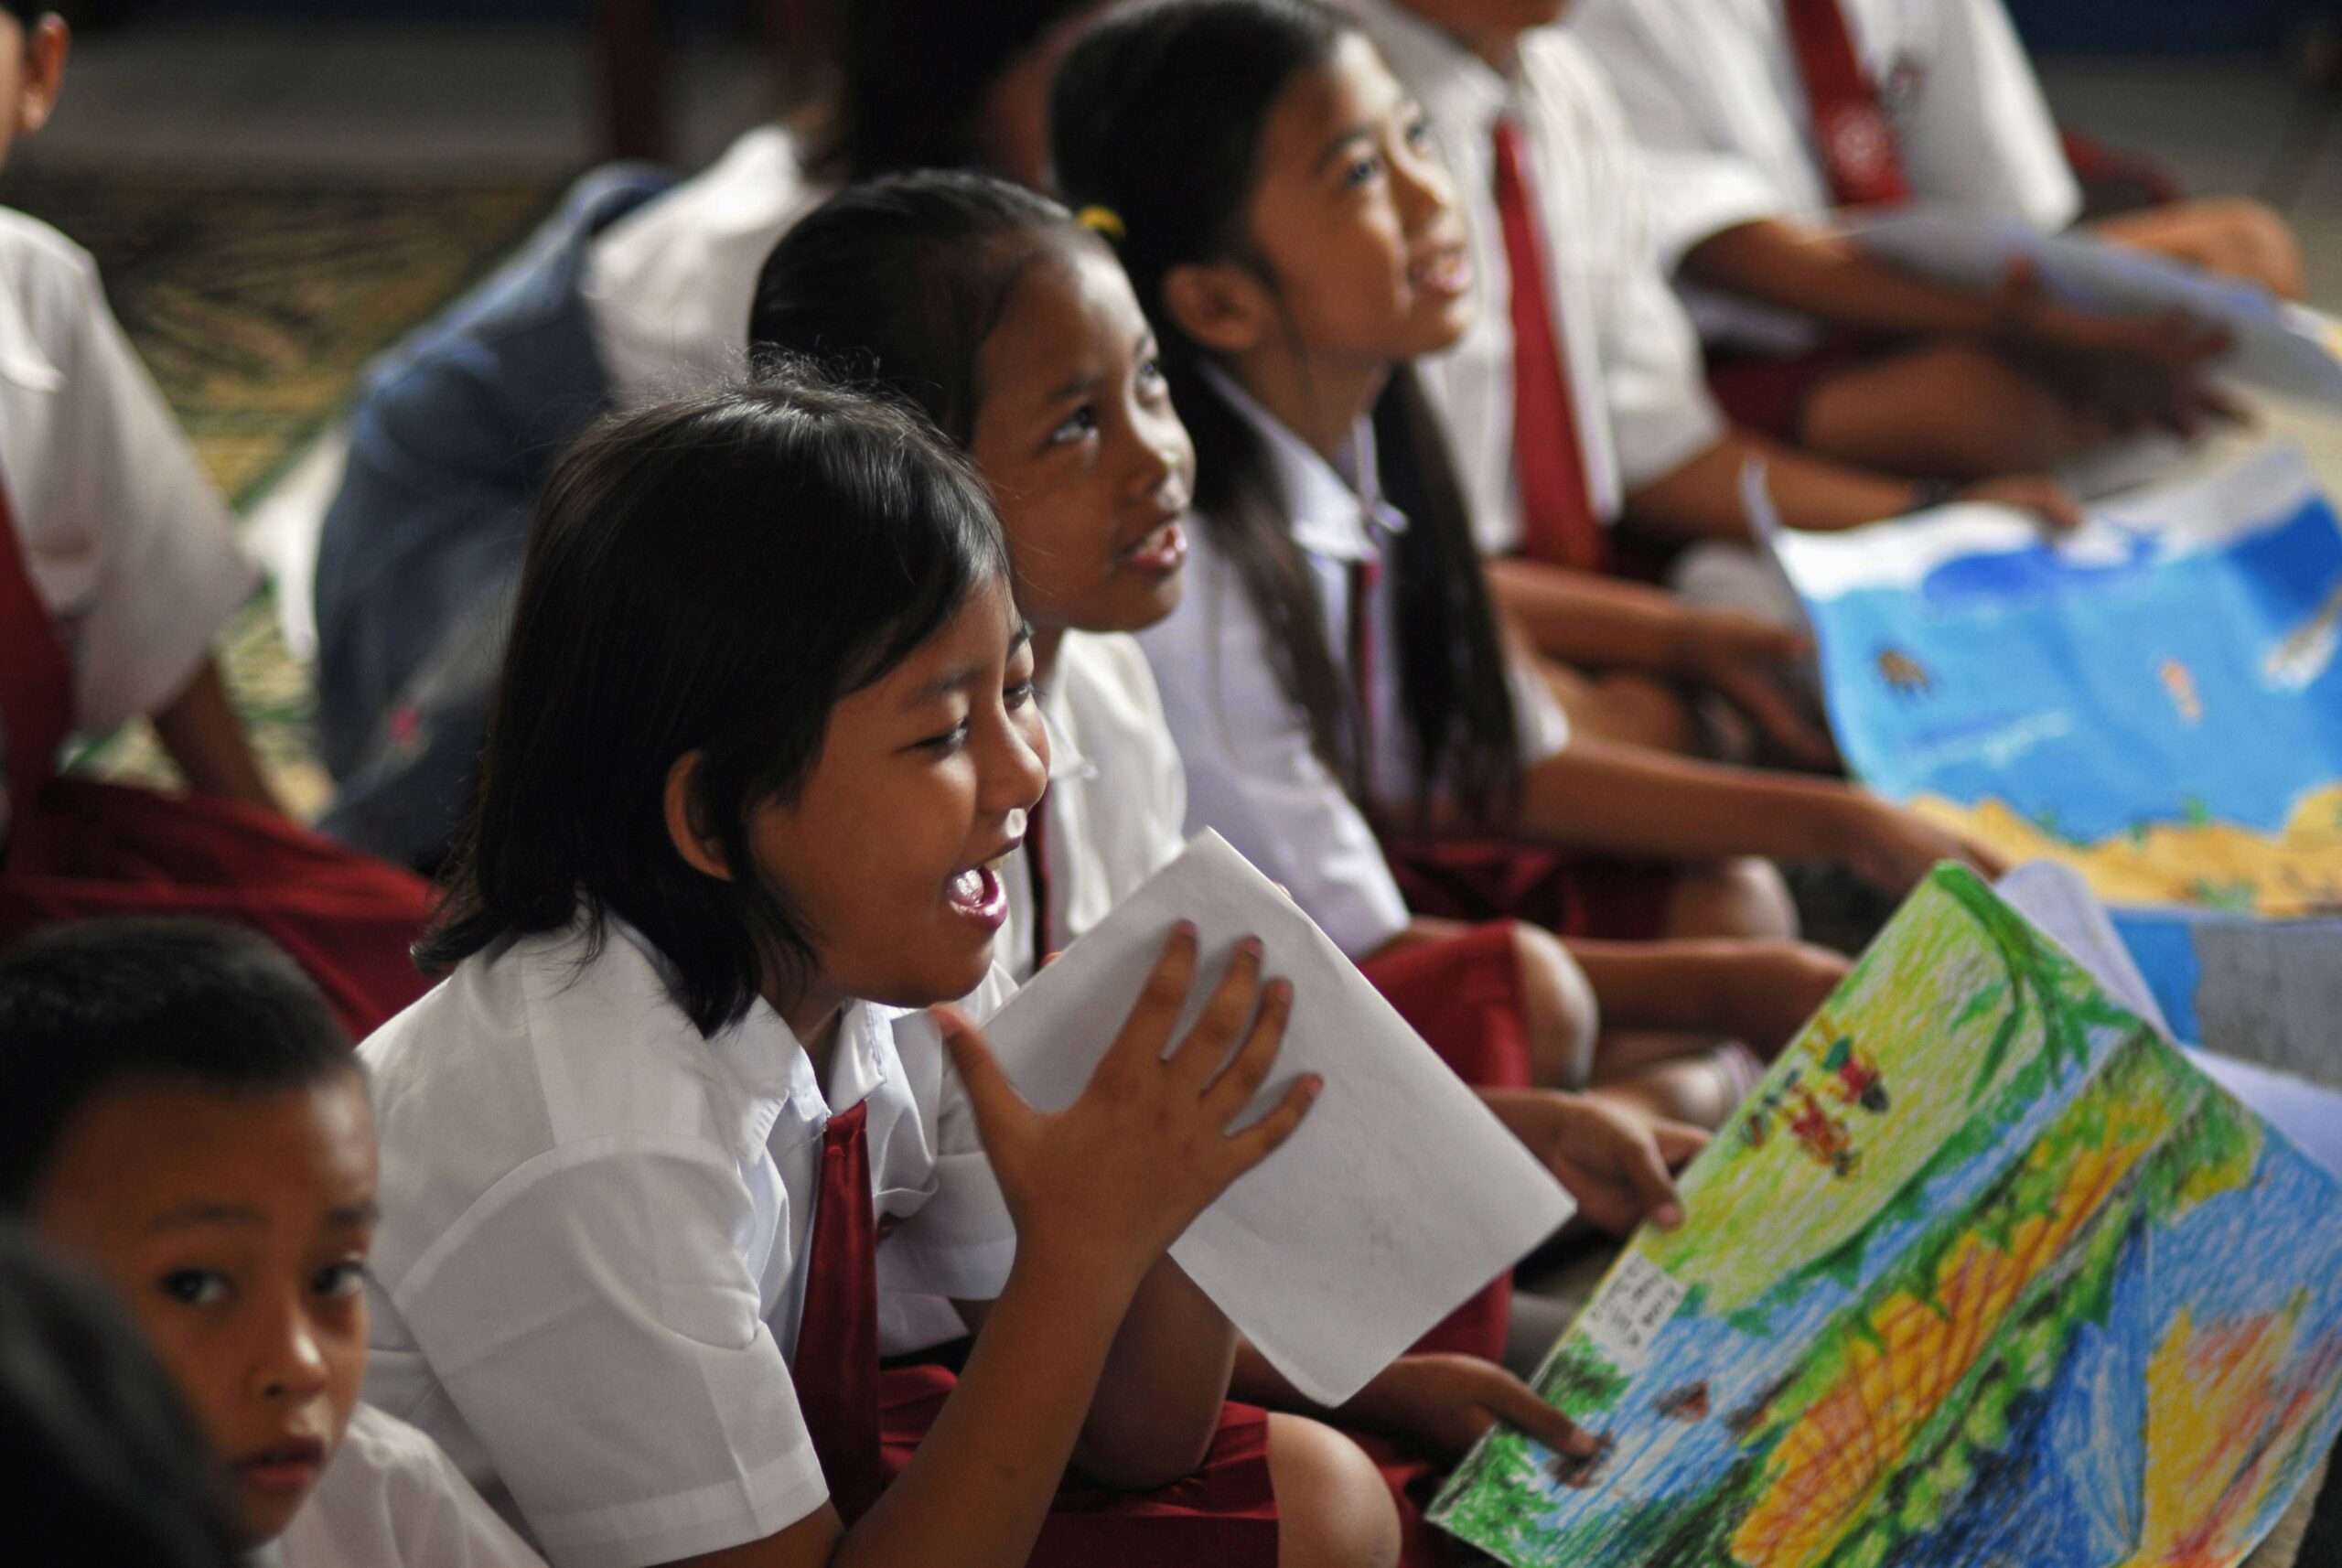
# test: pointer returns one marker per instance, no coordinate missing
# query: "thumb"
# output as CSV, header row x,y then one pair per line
x,y
1678,1141
1516,1404
1646,1172
996,1102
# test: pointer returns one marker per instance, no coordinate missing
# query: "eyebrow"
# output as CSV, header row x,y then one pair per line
x,y
240,1218
953,680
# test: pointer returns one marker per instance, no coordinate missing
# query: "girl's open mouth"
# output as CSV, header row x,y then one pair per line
x,y
1161,549
976,895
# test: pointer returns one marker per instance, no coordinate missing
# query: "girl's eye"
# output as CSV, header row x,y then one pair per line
x,y
1151,379
195,1287
1018,694
1078,424
344,1278
1419,132
1365,171
949,741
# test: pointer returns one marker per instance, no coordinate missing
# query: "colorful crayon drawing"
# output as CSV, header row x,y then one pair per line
x,y
2152,699
2069,1305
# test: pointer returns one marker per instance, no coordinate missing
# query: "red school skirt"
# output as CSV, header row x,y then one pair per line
x,y
1223,1512
1767,393
89,850
1593,896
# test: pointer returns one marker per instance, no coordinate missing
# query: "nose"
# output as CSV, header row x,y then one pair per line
x,y
1165,453
1426,191
1016,767
289,1363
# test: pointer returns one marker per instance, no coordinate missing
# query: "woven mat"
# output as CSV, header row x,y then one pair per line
x,y
257,301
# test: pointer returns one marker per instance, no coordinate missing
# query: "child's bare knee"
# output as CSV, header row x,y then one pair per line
x,y
1743,897
1558,1004
1333,1509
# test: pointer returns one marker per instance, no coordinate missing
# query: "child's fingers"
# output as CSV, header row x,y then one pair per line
x,y
1645,1169
1235,1087
1516,1404
1262,1138
997,1105
1158,1004
1678,1141
1232,1000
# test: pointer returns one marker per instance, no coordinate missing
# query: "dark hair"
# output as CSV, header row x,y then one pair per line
x,y
902,279
93,1433
710,573
915,74
1159,115
86,1006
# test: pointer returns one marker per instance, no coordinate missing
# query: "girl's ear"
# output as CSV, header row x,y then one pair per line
x,y
1222,306
702,850
45,46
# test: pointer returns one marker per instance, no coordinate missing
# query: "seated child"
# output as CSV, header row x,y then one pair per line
x,y
181,1115
94,1431
673,1158
1765,120
1295,262
1584,435
116,574
624,300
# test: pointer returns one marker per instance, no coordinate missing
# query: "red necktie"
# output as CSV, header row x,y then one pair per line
x,y
1036,867
1366,574
1850,130
1557,522
36,676
836,1367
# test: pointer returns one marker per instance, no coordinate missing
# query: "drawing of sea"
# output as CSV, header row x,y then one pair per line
x,y
2154,699
1984,1273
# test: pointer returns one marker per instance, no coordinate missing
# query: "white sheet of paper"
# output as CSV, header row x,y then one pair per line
x,y
2059,902
1400,1197
2282,348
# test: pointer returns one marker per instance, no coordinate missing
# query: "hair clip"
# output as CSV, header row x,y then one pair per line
x,y
1103,221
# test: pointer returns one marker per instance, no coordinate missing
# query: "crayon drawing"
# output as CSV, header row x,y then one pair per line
x,y
1985,1273
2152,699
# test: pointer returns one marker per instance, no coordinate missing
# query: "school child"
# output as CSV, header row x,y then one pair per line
x,y
181,1115
1315,697
1594,454
116,571
672,1158
1763,119
632,292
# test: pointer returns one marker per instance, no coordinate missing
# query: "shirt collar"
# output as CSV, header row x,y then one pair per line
x,y
1067,759
22,359
1335,511
768,1073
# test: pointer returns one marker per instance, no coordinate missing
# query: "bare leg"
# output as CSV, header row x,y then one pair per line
x,y
1333,1510
2234,236
1631,709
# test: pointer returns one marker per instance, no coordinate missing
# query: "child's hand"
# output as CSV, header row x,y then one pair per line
x,y
1767,990
1614,1161
1445,1404
2044,498
1744,661
1893,848
1119,1174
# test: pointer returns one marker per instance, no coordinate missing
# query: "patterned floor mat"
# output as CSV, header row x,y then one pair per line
x,y
257,301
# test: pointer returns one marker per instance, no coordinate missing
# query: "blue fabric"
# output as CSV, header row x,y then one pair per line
x,y
452,436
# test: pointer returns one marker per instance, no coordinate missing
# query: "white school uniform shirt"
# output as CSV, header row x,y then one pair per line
x,y
1715,97
393,1498
667,289
1117,804
1637,383
1253,773
125,540
588,1278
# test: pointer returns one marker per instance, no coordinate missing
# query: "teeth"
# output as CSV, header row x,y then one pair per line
x,y
968,886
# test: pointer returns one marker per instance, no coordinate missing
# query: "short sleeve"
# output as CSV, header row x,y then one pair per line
x,y
595,1326
1697,183
170,573
1982,139
1253,775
